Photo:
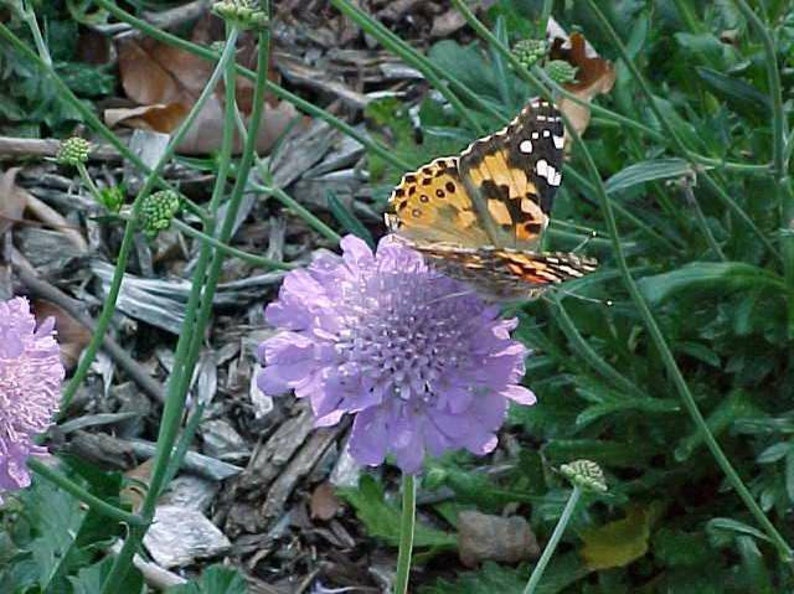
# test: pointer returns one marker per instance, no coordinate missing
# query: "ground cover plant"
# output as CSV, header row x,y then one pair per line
x,y
190,190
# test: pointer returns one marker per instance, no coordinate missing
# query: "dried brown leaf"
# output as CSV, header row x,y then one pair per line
x,y
167,81
324,503
73,337
595,76
157,118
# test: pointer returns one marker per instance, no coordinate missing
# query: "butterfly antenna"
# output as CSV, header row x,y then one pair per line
x,y
588,239
455,294
567,293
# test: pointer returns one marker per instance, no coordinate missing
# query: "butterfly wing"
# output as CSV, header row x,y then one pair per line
x,y
507,275
431,205
512,176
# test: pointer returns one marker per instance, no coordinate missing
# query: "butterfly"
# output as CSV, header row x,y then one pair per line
x,y
480,216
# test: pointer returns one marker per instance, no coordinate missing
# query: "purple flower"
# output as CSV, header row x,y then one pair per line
x,y
424,364
31,373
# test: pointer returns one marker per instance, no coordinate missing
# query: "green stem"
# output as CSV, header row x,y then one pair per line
x,y
727,199
780,153
384,152
407,525
388,41
545,14
193,327
89,183
311,219
702,222
668,128
587,352
548,552
775,90
232,251
92,501
109,306
29,16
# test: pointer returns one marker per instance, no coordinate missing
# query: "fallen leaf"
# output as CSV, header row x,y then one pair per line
x,y
166,82
618,543
483,537
73,337
324,503
594,76
153,72
157,118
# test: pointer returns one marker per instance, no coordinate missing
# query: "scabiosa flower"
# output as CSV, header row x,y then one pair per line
x,y
424,364
31,373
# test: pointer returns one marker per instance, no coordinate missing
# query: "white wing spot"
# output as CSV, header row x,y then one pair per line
x,y
525,147
546,134
559,141
540,118
535,136
548,172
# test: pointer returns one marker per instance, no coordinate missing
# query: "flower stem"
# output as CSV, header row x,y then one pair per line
x,y
407,524
548,552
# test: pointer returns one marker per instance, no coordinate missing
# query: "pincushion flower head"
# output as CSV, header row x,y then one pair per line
x,y
424,364
31,373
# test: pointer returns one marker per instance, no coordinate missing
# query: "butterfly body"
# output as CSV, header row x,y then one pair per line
x,y
480,216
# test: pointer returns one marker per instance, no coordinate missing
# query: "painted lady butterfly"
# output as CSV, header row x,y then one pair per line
x,y
480,216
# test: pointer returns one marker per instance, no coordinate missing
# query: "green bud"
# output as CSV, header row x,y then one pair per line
x,y
245,14
112,197
585,474
561,72
529,51
73,151
157,211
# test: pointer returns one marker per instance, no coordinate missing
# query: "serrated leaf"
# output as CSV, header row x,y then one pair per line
x,y
721,276
646,171
215,579
382,518
618,543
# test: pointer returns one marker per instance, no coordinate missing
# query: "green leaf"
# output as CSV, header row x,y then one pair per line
x,y
720,528
719,276
755,574
646,171
773,453
382,518
647,405
215,579
743,97
89,580
55,518
562,571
